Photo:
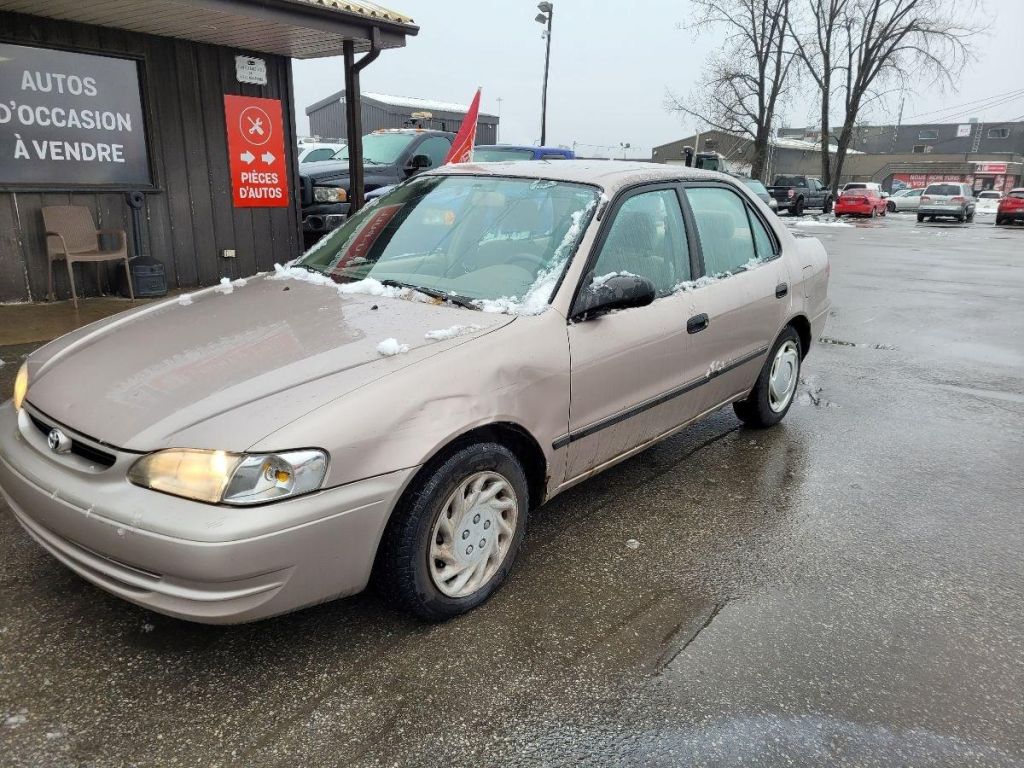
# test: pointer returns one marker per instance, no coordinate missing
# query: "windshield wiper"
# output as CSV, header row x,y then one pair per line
x,y
434,293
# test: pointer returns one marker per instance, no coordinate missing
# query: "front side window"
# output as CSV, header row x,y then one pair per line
x,y
647,238
436,148
479,238
726,239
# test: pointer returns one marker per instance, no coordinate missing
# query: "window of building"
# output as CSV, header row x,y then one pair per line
x,y
927,135
922,149
999,133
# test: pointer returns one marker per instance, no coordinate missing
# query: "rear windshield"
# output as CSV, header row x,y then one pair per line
x,y
789,181
756,186
989,196
854,185
944,189
1017,193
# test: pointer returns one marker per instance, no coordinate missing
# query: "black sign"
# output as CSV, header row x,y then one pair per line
x,y
70,119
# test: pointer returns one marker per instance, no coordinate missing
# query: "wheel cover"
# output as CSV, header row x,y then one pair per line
x,y
783,376
473,533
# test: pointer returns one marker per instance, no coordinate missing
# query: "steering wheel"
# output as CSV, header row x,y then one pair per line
x,y
533,259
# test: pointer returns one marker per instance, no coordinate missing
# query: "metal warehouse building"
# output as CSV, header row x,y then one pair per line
x,y
327,116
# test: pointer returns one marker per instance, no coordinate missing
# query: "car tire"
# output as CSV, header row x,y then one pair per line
x,y
890,207
874,212
961,218
970,217
764,407
920,218
407,572
798,208
827,208
999,222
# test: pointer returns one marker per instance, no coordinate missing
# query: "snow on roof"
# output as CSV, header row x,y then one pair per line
x,y
803,144
362,8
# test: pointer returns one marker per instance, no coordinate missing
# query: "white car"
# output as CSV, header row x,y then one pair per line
x,y
318,151
988,202
904,200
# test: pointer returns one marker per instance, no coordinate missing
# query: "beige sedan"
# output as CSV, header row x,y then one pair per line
x,y
395,403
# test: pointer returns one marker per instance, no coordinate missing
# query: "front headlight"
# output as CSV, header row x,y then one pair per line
x,y
329,195
20,386
219,477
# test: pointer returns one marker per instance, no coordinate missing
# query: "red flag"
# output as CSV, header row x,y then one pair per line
x,y
462,147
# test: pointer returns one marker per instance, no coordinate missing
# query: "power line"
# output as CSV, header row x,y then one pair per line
x,y
988,106
976,104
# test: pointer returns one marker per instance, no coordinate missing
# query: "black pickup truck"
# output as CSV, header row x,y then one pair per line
x,y
389,156
798,193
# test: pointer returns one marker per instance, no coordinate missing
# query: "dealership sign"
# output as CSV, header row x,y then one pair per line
x,y
70,119
990,167
256,150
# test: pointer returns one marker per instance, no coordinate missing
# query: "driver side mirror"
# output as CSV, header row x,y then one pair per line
x,y
619,292
418,163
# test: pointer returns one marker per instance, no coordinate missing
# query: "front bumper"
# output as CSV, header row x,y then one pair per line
x,y
201,562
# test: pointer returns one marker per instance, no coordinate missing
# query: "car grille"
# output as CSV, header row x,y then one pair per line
x,y
79,448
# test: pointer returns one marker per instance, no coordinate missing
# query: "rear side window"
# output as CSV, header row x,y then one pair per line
x,y
647,238
723,225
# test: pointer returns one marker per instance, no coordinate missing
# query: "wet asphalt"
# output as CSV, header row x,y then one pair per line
x,y
846,589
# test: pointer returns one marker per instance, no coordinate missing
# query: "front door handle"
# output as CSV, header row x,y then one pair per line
x,y
781,290
697,323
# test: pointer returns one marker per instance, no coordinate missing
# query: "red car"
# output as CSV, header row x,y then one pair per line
x,y
1011,207
863,201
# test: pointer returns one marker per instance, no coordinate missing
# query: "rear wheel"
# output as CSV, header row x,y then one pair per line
x,y
827,208
999,221
772,395
970,217
920,218
890,207
454,536
874,212
961,218
798,207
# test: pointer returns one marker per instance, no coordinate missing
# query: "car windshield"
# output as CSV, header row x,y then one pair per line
x,y
469,238
943,189
499,154
380,148
756,186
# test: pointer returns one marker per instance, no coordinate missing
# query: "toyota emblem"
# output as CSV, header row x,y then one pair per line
x,y
58,441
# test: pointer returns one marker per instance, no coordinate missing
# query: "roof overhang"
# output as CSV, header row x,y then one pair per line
x,y
300,29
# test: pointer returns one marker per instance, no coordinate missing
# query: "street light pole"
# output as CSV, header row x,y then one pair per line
x,y
547,11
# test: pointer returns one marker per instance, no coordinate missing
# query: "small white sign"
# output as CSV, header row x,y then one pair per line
x,y
251,70
962,131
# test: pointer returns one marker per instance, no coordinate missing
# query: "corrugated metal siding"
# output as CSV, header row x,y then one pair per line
x,y
328,121
190,219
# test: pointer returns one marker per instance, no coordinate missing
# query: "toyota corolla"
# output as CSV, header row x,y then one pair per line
x,y
398,401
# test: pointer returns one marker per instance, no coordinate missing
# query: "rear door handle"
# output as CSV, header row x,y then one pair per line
x,y
697,323
781,290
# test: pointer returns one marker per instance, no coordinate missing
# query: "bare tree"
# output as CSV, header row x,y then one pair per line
x,y
818,45
894,42
743,83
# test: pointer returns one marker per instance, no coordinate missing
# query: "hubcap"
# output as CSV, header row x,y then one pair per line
x,y
783,375
472,534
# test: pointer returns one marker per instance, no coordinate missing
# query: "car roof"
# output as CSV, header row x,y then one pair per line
x,y
607,174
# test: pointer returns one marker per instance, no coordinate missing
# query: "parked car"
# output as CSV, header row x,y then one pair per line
x,y
904,200
318,152
500,153
796,194
947,200
261,447
987,202
861,201
389,156
858,186
1011,207
760,191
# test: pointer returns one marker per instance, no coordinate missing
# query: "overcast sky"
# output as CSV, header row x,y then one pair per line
x,y
611,62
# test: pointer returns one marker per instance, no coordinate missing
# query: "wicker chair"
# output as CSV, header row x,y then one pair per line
x,y
71,235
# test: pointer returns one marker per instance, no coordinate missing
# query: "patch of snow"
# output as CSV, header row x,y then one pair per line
x,y
452,332
13,721
632,544
700,282
147,627
368,286
714,368
1,363
225,286
602,279
390,347
821,224
185,299
240,282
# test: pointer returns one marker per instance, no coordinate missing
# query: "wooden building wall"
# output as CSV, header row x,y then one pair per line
x,y
189,216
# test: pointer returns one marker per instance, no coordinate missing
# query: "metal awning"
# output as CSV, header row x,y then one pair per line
x,y
300,29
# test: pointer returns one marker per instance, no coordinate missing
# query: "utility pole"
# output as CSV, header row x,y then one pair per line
x,y
547,10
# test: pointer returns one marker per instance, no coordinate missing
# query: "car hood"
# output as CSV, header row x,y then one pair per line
x,y
334,170
226,366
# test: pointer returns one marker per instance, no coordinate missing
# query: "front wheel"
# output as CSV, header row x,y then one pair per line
x,y
772,395
454,536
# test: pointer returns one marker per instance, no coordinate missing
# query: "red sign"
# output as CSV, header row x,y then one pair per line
x,y
259,177
990,167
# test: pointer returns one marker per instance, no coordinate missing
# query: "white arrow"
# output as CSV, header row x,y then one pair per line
x,y
267,158
247,157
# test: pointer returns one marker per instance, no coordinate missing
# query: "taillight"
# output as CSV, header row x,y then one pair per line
x,y
959,199
791,193
925,199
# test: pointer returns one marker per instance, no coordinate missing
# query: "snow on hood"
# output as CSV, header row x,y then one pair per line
x,y
179,373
